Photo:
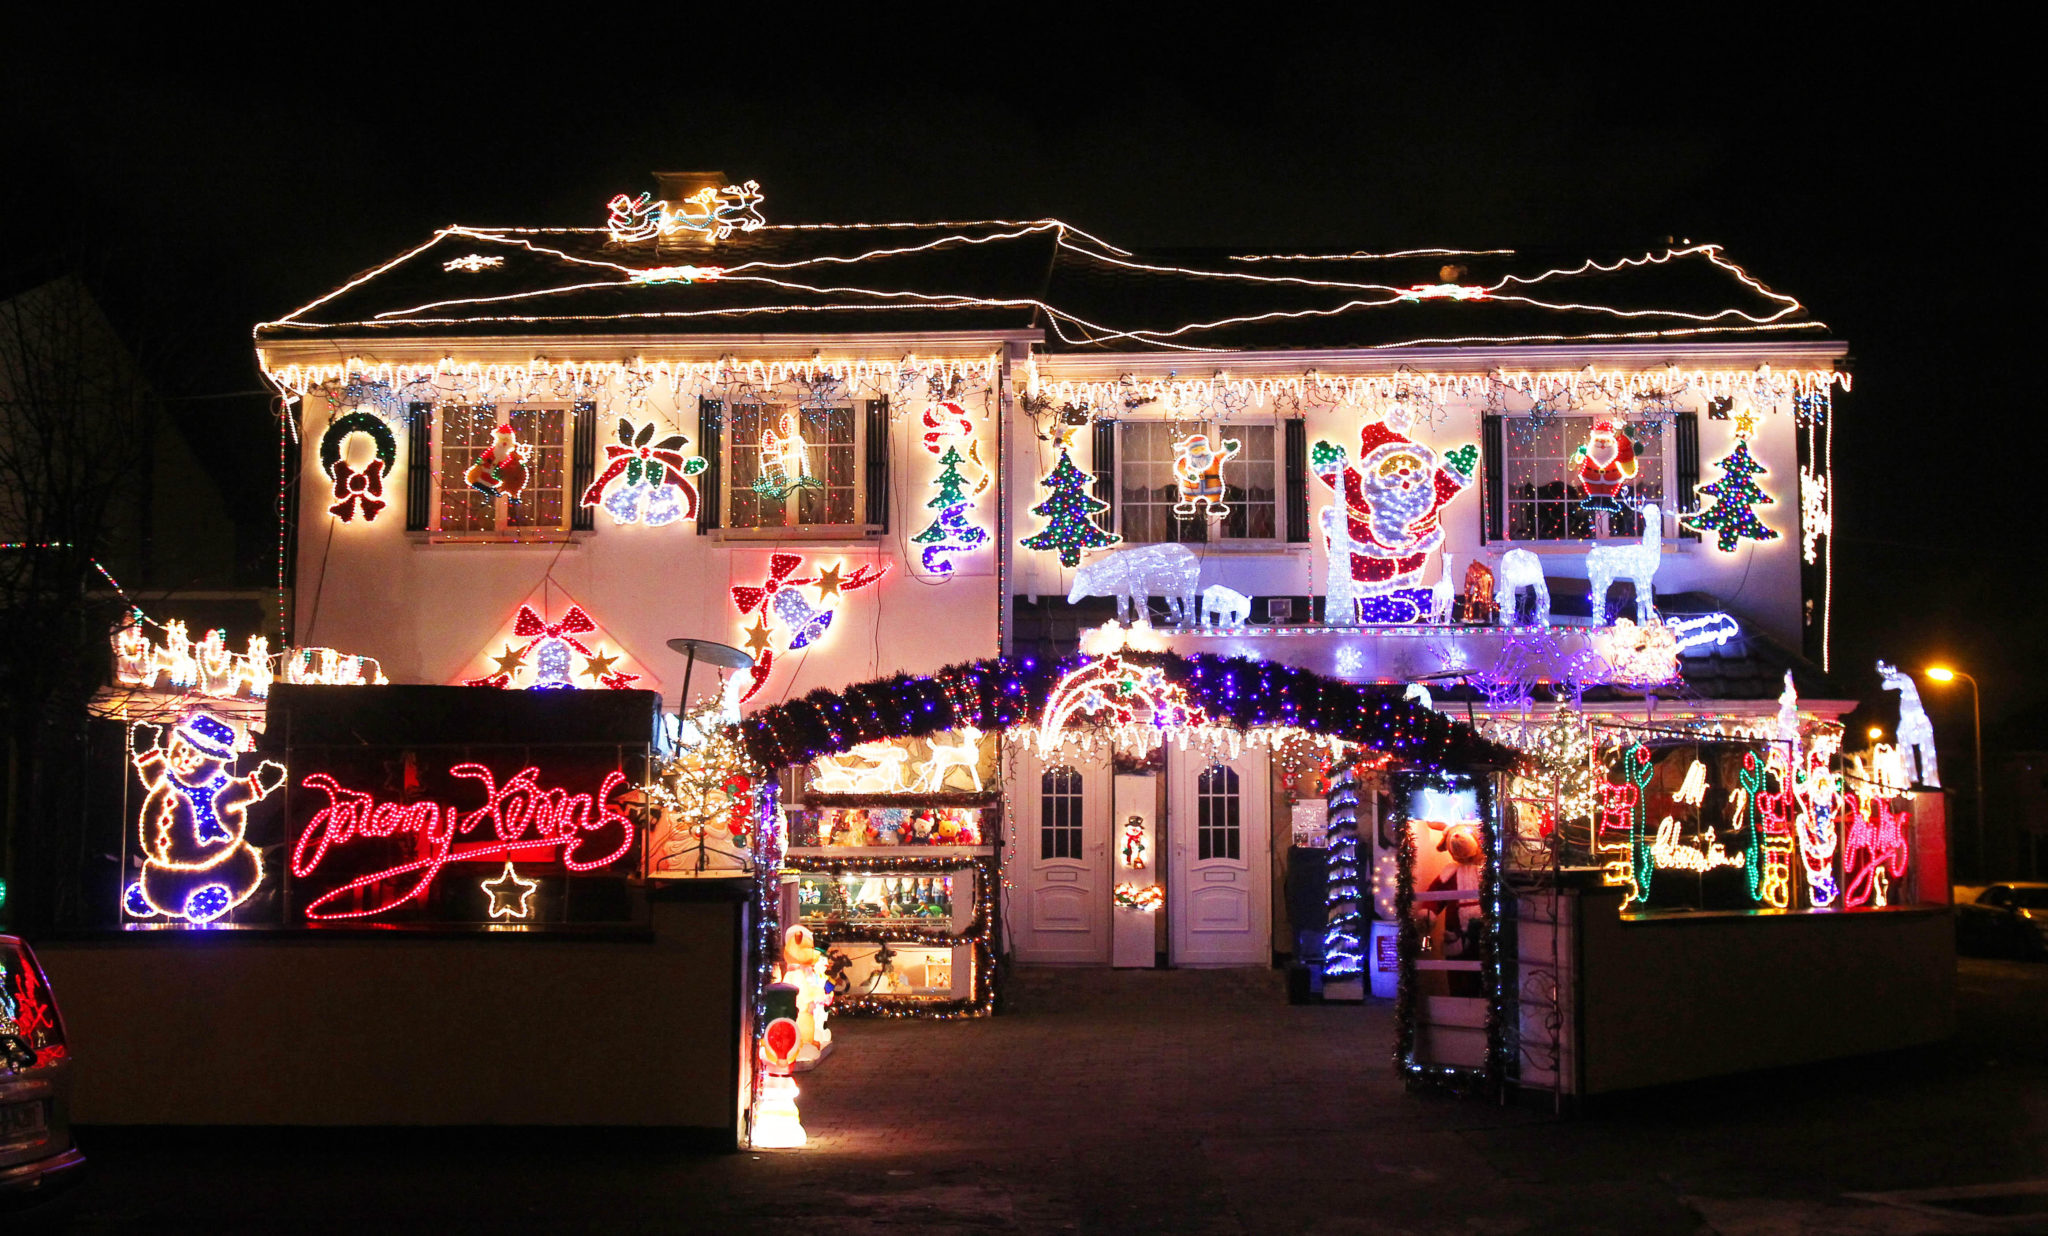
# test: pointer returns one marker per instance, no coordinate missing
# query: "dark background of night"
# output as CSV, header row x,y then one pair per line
x,y
209,184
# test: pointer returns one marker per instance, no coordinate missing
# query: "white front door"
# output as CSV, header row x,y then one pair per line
x,y
1219,896
1060,913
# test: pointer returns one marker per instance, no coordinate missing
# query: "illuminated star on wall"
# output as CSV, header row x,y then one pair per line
x,y
511,897
757,637
828,581
511,661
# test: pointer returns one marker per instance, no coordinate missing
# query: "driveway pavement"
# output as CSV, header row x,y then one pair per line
x,y
1181,1101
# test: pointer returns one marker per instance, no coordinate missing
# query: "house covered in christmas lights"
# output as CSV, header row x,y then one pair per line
x,y
1450,621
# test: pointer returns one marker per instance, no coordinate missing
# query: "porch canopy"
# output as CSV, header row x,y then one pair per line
x,y
1003,692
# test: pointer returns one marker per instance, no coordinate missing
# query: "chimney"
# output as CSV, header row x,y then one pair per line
x,y
675,188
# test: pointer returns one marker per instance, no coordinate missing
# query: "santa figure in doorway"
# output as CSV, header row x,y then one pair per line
x,y
1393,496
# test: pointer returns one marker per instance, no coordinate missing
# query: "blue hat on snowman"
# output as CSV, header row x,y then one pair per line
x,y
209,735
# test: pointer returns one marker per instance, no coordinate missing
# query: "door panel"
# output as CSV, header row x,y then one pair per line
x,y
1060,909
1219,898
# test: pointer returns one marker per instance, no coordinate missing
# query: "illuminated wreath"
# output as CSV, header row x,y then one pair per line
x,y
357,422
357,490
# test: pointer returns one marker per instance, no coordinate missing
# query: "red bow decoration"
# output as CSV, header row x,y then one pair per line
x,y
353,489
779,566
633,457
533,628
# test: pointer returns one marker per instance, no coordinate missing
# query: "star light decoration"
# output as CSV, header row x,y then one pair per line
x,y
1136,701
551,644
511,897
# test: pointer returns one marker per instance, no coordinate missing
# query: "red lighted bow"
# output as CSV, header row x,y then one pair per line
x,y
353,489
533,628
749,599
634,458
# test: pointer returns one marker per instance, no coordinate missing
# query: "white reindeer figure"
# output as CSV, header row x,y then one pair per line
x,y
1133,575
1443,592
1915,730
1635,563
1520,569
964,752
1226,607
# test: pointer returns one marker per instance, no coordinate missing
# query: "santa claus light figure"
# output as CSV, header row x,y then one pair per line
x,y
1393,499
1605,465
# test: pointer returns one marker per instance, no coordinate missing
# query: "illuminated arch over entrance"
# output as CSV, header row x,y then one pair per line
x,y
1003,692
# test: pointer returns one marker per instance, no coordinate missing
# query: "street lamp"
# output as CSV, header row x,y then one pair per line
x,y
1943,674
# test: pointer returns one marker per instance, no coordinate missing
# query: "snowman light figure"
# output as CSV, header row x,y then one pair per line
x,y
197,861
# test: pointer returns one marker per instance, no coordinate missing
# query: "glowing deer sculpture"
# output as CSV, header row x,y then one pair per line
x,y
1635,563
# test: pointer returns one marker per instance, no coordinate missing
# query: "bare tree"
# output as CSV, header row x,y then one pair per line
x,y
77,420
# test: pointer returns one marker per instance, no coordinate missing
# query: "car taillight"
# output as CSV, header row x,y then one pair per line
x,y
28,1012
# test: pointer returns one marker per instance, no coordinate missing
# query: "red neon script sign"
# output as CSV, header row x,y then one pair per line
x,y
519,819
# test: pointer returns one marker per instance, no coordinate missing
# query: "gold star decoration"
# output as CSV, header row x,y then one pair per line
x,y
828,581
598,665
1745,421
511,897
757,637
511,661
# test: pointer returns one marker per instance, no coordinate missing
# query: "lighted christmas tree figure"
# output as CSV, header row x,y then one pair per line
x,y
1734,494
1069,514
950,532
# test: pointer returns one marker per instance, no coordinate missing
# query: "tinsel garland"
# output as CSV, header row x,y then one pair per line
x,y
977,934
1490,1077
1000,693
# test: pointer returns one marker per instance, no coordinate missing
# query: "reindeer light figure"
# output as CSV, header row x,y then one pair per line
x,y
1521,569
964,752
1635,563
1443,592
1915,731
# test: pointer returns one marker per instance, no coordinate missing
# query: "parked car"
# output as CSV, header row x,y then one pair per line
x,y
2006,920
36,1154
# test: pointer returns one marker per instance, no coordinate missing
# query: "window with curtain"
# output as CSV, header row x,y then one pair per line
x,y
1541,496
1147,489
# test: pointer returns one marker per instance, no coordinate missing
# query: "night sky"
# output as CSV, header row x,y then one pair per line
x,y
209,185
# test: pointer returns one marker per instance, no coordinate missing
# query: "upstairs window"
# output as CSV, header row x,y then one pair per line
x,y
1148,490
1543,497
466,434
793,466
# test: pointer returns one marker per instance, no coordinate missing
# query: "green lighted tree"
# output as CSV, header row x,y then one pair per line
x,y
1734,496
950,532
1069,514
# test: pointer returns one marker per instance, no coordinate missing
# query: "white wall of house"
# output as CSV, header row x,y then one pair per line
x,y
430,609
1759,581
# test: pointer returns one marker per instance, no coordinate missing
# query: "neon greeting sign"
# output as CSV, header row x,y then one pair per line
x,y
519,820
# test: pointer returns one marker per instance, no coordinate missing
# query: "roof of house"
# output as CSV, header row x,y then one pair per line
x,y
1083,293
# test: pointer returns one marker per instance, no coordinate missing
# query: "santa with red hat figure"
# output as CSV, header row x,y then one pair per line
x,y
1392,499
1605,465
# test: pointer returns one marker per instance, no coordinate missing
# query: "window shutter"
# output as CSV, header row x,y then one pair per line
x,y
1297,481
877,464
711,481
1102,464
582,466
419,465
1493,477
1685,468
